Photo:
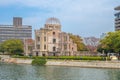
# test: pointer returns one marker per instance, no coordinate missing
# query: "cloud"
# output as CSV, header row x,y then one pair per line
x,y
80,14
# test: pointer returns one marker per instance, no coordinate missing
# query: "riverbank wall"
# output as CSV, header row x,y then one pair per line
x,y
16,60
74,63
88,64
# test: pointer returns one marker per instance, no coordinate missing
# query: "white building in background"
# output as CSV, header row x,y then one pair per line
x,y
117,18
15,31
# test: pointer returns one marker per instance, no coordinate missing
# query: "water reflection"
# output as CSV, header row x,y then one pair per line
x,y
114,74
29,72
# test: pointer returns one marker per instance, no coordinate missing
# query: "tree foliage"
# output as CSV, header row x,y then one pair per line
x,y
77,39
39,61
91,43
12,46
110,43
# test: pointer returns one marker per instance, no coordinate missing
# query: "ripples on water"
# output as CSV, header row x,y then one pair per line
x,y
29,72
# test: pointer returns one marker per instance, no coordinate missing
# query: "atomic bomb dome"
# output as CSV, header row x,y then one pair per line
x,y
53,20
51,41
53,23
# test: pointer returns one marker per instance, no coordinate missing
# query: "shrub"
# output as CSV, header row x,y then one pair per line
x,y
20,54
17,56
63,57
39,61
76,58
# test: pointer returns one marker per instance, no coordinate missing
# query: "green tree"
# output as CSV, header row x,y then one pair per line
x,y
1,48
12,46
78,40
110,43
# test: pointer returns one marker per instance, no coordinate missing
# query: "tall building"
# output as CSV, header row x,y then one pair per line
x,y
117,18
17,21
50,41
15,31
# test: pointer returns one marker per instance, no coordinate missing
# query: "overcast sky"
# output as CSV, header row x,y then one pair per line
x,y
81,17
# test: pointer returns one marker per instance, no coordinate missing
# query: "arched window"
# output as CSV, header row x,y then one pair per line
x,y
38,46
54,48
53,33
38,38
44,46
54,40
45,39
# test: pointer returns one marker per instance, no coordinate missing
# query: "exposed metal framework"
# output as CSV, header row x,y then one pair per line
x,y
52,20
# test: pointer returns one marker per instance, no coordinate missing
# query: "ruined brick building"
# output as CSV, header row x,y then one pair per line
x,y
51,41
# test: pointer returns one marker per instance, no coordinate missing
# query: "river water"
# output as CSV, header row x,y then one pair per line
x,y
29,72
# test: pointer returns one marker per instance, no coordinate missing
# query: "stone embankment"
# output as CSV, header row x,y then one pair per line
x,y
17,60
8,59
90,64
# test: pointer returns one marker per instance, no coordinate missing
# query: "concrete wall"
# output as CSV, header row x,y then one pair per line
x,y
16,60
93,64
